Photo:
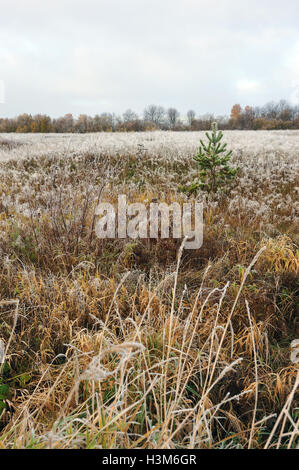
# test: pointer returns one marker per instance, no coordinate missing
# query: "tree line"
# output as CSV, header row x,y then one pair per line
x,y
273,115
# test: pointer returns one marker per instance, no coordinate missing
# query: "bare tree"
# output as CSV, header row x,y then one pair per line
x,y
248,117
285,111
129,116
190,116
173,116
270,110
155,114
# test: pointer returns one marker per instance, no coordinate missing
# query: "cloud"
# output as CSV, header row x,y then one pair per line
x,y
94,56
2,92
293,68
247,86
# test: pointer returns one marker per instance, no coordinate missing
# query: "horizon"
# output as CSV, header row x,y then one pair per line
x,y
182,116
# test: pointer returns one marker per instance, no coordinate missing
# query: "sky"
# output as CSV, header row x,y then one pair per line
x,y
94,56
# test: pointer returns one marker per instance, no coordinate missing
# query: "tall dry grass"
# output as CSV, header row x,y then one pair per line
x,y
125,344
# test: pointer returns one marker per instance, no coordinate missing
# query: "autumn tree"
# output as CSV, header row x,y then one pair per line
x,y
236,111
273,115
24,122
84,123
236,115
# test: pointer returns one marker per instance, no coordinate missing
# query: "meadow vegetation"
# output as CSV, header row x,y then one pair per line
x,y
140,343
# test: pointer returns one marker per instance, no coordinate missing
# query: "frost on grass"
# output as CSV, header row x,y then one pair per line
x,y
138,343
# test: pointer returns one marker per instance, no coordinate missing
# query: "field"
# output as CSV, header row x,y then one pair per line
x,y
139,343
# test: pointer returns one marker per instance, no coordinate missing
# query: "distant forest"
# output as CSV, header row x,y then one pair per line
x,y
280,115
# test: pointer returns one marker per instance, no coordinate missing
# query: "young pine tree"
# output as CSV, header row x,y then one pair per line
x,y
213,161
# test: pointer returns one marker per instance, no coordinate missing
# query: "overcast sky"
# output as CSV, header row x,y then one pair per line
x,y
91,56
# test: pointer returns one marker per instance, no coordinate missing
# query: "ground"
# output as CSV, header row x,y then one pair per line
x,y
138,343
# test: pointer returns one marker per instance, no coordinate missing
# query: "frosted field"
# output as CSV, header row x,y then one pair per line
x,y
273,144
86,301
267,184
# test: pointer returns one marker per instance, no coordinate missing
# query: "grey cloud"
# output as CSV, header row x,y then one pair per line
x,y
94,56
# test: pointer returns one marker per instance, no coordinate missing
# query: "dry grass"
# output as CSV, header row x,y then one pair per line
x,y
124,344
